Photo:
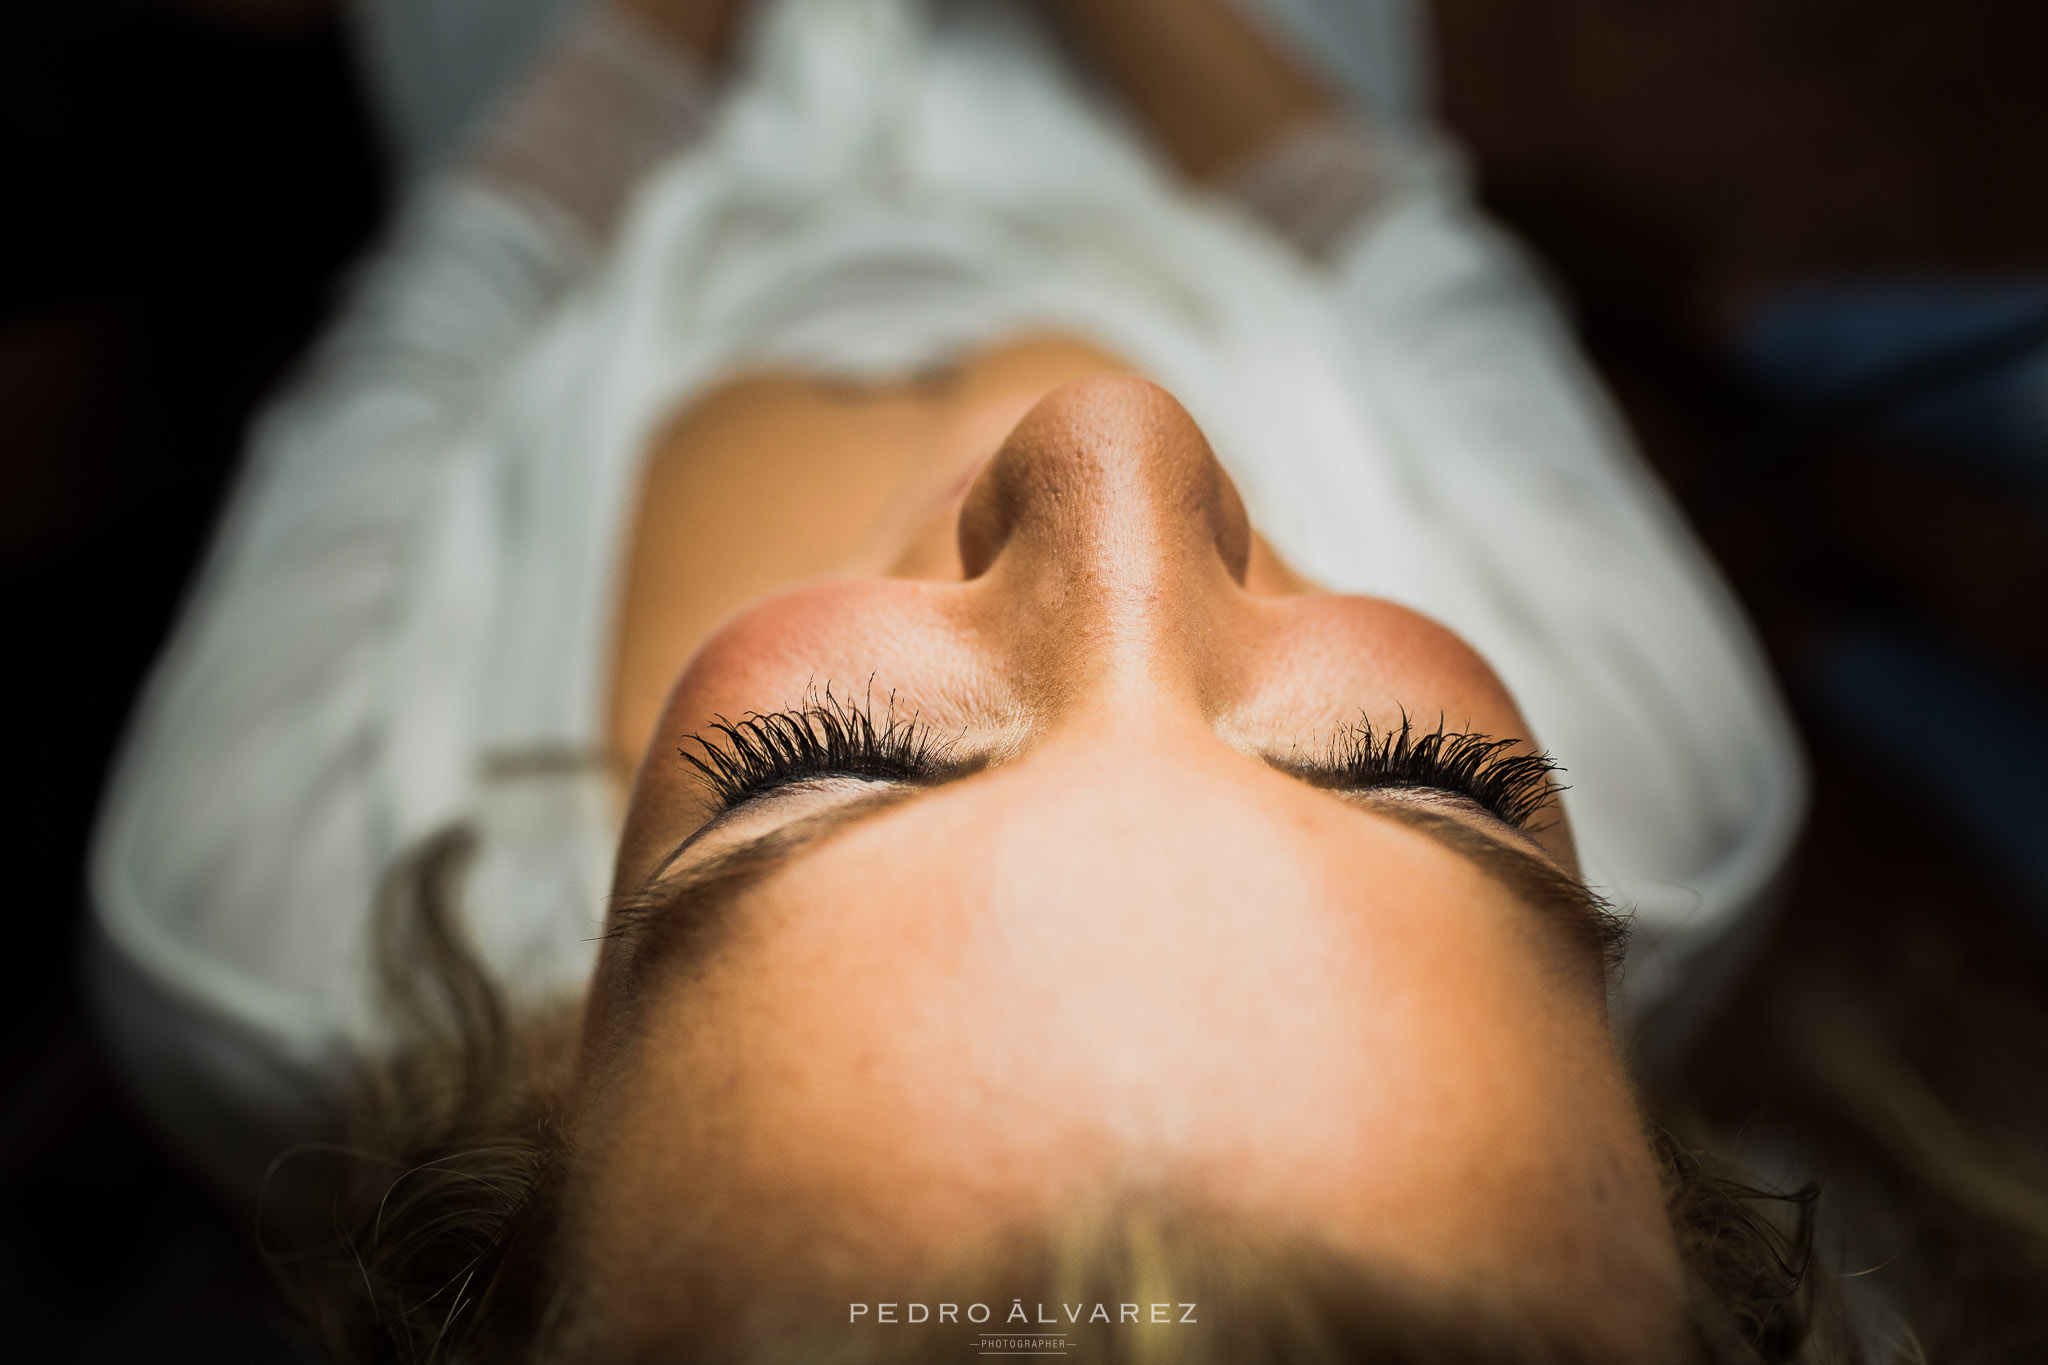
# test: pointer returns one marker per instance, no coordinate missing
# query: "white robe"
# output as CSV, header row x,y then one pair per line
x,y
406,619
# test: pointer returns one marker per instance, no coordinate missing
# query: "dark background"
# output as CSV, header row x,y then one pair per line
x,y
188,183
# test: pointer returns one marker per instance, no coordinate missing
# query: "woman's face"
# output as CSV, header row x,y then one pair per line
x,y
1120,905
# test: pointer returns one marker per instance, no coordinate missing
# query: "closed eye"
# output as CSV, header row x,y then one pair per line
x,y
826,737
829,737
762,755
1500,776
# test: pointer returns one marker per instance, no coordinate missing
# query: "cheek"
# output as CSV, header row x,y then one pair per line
x,y
861,638
1321,661
933,554
877,642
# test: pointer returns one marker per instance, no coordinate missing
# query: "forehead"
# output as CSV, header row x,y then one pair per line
x,y
1097,890
1163,843
984,978
980,1009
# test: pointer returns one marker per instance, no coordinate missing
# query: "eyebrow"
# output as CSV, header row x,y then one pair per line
x,y
672,914
1528,876
668,914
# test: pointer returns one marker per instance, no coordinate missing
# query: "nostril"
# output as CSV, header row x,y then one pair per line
x,y
1230,526
987,516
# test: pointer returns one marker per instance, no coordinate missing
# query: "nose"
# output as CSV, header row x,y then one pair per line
x,y
1106,524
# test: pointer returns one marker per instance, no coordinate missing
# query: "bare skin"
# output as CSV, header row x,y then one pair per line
x,y
704,29
1126,951
1211,88
1207,84
778,477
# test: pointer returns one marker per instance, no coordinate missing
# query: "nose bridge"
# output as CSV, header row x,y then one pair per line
x,y
1111,538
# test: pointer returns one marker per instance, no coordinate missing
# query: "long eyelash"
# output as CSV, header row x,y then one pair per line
x,y
1479,767
826,736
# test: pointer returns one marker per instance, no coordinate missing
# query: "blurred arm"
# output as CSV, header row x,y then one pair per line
x,y
700,29
626,87
1212,89
1233,109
